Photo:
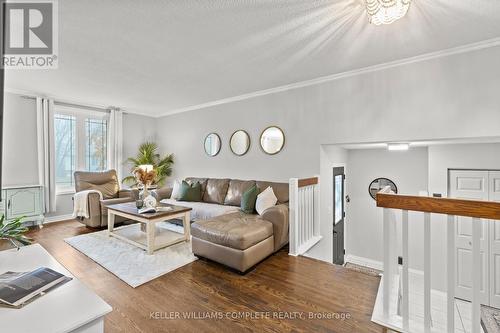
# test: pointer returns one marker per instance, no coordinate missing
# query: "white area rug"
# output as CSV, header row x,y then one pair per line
x,y
129,263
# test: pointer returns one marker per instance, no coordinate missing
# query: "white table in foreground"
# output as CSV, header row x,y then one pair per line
x,y
71,307
129,210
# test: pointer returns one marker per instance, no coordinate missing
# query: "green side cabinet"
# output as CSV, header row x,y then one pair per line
x,y
24,201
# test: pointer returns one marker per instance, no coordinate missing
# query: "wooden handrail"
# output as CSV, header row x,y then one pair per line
x,y
308,181
458,207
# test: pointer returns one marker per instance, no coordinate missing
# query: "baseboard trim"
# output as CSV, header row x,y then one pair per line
x,y
361,261
58,218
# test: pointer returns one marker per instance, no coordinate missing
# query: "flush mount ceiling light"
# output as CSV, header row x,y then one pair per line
x,y
386,11
398,146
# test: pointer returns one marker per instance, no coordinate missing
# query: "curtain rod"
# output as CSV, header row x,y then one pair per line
x,y
80,106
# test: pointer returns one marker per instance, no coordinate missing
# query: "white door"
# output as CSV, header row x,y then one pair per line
x,y
494,195
469,184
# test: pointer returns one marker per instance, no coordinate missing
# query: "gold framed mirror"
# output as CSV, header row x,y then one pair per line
x,y
239,142
272,140
212,144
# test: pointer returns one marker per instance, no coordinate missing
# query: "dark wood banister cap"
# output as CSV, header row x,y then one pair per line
x,y
459,207
308,181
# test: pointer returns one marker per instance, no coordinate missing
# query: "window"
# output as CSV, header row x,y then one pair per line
x,y
95,144
80,143
65,144
338,198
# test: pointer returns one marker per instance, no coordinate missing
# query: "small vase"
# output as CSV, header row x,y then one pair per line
x,y
144,192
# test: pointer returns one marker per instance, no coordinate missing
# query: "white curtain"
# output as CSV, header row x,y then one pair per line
x,y
46,151
115,141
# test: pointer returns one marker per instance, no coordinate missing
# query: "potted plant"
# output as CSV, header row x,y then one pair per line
x,y
13,232
148,155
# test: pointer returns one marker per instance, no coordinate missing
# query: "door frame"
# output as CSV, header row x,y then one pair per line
x,y
331,208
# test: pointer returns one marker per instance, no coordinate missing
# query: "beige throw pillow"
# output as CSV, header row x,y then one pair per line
x,y
176,190
265,200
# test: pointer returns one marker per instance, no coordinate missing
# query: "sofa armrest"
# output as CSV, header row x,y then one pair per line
x,y
164,193
278,215
113,201
94,205
129,193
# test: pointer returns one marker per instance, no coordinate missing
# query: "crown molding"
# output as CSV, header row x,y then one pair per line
x,y
360,71
33,94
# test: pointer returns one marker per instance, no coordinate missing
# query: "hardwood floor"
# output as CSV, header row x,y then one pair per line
x,y
276,290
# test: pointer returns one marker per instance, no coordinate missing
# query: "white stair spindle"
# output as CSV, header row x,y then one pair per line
x,y
427,272
294,216
309,211
303,215
311,225
450,268
405,310
316,197
387,262
312,211
301,218
476,274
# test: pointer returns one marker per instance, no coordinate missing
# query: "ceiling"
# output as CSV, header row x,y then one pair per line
x,y
161,57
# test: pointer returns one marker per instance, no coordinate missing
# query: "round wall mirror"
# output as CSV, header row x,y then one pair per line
x,y
272,140
379,184
239,142
212,144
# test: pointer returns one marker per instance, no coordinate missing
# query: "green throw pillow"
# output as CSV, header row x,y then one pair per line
x,y
190,192
248,200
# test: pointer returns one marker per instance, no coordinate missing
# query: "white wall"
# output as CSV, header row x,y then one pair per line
x,y
20,159
408,170
183,134
136,130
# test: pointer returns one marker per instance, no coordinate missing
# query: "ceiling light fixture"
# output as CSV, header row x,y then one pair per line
x,y
398,146
386,11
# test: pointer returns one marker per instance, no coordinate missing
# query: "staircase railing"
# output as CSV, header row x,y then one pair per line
x,y
396,316
304,214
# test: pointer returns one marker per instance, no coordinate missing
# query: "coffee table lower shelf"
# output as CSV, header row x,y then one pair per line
x,y
153,239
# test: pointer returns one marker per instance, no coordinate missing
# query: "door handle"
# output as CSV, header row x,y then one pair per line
x,y
8,204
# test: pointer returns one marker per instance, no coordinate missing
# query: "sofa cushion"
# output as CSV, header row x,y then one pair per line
x,y
279,189
203,210
190,192
248,200
216,191
236,230
176,188
105,182
235,191
266,199
202,181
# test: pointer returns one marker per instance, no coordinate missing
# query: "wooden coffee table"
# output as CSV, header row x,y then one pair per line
x,y
129,210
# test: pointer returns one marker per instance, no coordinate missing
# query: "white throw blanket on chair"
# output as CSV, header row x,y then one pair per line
x,y
80,204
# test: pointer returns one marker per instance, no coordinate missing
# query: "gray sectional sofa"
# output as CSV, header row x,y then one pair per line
x,y
222,233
